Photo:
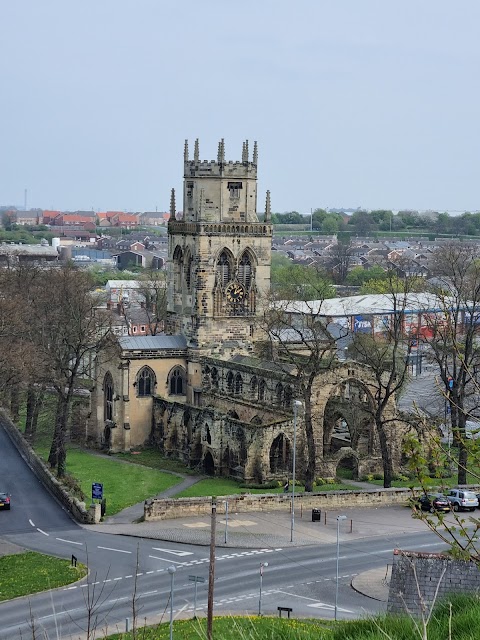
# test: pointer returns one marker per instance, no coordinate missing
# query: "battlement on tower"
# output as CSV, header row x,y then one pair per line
x,y
212,168
245,168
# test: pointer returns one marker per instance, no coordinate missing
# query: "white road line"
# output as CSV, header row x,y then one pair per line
x,y
117,579
44,532
69,588
139,574
128,577
175,553
148,572
167,560
31,523
149,593
69,541
110,549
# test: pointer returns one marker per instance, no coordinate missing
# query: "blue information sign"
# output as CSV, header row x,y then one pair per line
x,y
97,491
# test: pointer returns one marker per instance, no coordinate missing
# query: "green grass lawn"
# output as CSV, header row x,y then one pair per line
x,y
430,483
123,484
236,628
462,622
226,487
153,458
25,573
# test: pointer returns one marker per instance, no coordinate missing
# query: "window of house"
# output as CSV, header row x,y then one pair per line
x,y
108,397
234,188
134,329
145,382
142,328
176,382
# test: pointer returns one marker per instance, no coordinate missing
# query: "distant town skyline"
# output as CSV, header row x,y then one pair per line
x,y
370,103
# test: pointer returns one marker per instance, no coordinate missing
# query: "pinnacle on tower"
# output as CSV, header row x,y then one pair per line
x,y
221,152
185,151
255,153
196,152
246,151
172,205
268,212
243,152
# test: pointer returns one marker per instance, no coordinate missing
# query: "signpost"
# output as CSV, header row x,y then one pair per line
x,y
97,491
196,580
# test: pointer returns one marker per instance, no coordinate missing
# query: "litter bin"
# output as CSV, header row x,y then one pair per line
x,y
316,515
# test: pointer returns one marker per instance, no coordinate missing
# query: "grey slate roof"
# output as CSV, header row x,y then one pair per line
x,y
131,343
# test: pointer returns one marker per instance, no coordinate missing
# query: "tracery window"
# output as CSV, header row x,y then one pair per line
x,y
176,381
145,382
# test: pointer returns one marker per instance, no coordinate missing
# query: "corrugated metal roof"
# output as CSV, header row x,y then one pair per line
x,y
131,343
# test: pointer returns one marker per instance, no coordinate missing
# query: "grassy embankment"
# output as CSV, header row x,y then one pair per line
x,y
22,574
457,619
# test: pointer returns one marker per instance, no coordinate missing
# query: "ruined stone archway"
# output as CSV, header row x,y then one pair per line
x,y
346,459
280,455
209,464
348,419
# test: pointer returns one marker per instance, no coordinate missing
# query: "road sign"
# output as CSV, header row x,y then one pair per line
x,y
196,579
97,491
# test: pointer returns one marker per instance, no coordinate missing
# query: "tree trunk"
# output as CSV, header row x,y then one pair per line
x,y
36,412
386,456
53,455
15,403
30,410
62,434
462,448
310,438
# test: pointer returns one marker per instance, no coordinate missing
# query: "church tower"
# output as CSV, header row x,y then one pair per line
x,y
219,252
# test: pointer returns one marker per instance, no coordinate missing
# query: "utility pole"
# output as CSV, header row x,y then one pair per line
x,y
211,572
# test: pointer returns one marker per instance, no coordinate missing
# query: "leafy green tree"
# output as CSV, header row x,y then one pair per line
x,y
299,282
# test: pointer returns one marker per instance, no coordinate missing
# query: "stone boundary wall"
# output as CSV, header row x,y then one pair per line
x,y
417,576
71,504
165,509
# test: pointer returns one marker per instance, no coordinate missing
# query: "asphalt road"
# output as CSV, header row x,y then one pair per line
x,y
125,569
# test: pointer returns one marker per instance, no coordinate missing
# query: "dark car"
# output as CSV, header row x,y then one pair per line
x,y
434,502
4,500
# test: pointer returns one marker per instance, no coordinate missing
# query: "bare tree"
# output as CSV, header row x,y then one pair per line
x,y
300,342
452,339
387,355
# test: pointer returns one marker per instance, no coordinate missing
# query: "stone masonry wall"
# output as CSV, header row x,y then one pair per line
x,y
417,576
166,509
72,505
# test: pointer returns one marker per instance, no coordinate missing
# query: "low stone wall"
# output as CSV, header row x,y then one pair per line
x,y
165,509
74,506
416,577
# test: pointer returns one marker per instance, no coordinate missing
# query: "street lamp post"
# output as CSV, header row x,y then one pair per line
x,y
226,521
296,405
339,519
171,571
262,566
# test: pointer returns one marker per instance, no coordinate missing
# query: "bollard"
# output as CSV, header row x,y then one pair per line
x,y
351,526
127,625
74,560
325,513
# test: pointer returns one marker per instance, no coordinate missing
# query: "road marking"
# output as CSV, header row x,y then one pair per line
x,y
167,560
330,607
31,523
110,549
117,579
69,541
44,532
175,553
129,577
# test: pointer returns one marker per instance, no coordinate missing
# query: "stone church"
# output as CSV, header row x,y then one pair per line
x,y
200,392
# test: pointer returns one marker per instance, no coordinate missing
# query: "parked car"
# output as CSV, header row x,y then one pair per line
x,y
463,499
434,502
4,500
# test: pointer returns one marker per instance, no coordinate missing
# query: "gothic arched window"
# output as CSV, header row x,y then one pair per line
x,y
145,382
214,377
287,396
245,270
108,397
279,393
177,269
262,390
230,382
253,386
238,384
176,382
224,269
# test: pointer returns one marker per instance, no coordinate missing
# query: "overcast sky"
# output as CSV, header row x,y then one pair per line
x,y
353,103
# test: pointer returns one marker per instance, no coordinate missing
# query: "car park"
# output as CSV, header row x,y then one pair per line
x,y
462,499
434,502
4,500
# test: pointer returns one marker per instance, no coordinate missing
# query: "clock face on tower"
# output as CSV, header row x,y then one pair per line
x,y
234,292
